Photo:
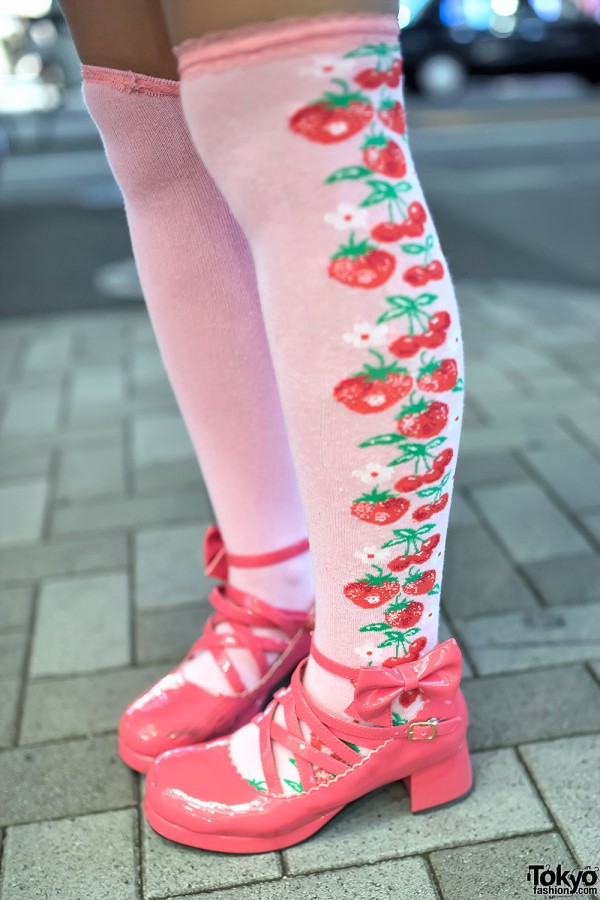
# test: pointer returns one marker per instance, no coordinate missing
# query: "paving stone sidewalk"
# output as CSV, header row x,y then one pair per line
x,y
102,511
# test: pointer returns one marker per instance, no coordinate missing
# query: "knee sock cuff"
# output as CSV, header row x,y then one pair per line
x,y
253,44
130,82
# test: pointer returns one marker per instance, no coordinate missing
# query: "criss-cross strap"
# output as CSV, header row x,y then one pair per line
x,y
436,676
333,742
243,613
335,759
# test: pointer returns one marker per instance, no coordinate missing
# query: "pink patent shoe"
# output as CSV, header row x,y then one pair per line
x,y
175,712
197,797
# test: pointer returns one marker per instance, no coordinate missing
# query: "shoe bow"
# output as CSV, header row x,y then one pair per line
x,y
436,676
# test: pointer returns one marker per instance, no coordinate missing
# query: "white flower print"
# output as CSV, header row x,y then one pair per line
x,y
370,654
364,334
347,216
374,473
328,67
372,555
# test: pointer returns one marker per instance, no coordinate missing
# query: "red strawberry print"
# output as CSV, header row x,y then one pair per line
x,y
394,73
438,502
384,156
425,330
391,113
420,275
361,265
422,513
407,698
434,473
388,232
400,563
370,79
412,226
440,321
375,388
373,590
388,69
404,614
414,651
406,346
423,419
333,118
379,508
430,270
419,583
417,212
437,376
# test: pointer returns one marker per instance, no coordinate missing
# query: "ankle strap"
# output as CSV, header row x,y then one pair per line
x,y
218,558
268,559
436,676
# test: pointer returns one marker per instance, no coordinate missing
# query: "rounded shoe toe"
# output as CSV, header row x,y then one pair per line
x,y
198,789
162,718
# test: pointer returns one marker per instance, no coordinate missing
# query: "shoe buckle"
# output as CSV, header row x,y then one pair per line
x,y
431,723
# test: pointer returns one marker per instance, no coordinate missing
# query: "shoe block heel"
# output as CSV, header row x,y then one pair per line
x,y
442,782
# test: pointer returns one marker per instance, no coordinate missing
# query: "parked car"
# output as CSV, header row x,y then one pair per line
x,y
446,41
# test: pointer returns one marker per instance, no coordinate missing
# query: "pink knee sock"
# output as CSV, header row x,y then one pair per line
x,y
199,283
301,124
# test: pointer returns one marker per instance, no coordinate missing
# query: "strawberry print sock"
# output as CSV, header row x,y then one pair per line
x,y
199,283
301,123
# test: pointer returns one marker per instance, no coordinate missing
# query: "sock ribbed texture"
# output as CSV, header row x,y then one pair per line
x,y
302,126
198,278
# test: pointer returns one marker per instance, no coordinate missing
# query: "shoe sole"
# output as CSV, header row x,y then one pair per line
x,y
221,844
136,761
422,798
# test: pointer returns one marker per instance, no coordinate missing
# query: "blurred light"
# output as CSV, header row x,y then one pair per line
x,y
531,29
477,14
43,33
503,26
505,7
451,13
403,15
24,97
29,9
9,26
548,10
29,65
462,35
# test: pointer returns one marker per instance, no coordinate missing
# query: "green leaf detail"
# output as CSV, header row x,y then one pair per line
x,y
376,626
413,249
348,173
258,785
352,250
352,746
381,371
398,720
343,99
381,440
295,785
374,497
380,50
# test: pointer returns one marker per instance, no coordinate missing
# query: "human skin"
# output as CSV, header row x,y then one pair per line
x,y
137,35
189,18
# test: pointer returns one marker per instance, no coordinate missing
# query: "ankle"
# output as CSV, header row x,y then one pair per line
x,y
285,585
329,692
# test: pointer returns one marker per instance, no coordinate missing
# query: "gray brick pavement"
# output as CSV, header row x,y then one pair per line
x,y
101,590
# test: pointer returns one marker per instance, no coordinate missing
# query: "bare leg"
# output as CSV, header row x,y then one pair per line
x,y
129,35
189,18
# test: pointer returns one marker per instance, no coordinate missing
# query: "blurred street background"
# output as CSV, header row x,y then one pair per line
x,y
102,508
509,163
